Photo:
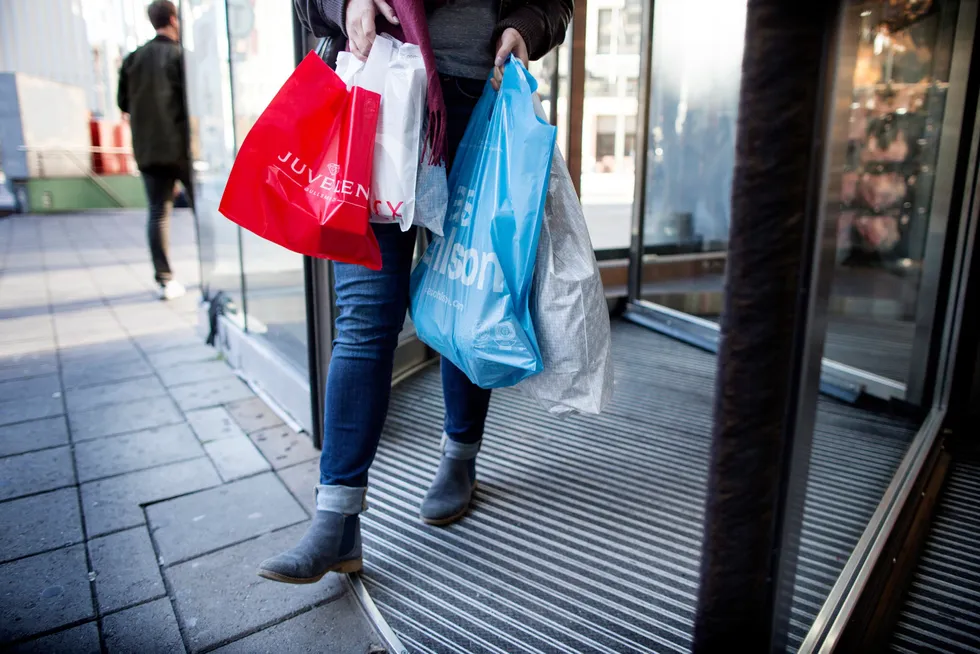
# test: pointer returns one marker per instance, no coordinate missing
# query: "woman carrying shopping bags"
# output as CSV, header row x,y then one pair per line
x,y
461,42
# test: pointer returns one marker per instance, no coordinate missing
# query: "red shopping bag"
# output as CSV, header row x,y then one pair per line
x,y
303,174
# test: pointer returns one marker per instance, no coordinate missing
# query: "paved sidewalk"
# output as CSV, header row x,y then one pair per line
x,y
140,480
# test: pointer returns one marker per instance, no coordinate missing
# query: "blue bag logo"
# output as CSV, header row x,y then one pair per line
x,y
447,256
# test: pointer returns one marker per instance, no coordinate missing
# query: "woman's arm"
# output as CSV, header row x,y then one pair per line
x,y
541,23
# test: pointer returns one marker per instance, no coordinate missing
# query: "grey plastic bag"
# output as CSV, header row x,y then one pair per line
x,y
431,196
568,307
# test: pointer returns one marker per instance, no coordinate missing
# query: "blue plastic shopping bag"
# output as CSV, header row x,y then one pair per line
x,y
470,291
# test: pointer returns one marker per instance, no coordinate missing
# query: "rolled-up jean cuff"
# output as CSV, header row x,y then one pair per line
x,y
460,451
347,500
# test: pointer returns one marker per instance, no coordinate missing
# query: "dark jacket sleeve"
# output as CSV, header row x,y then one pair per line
x,y
542,23
180,91
322,17
122,93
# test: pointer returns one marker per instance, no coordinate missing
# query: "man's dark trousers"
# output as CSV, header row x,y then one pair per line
x,y
159,182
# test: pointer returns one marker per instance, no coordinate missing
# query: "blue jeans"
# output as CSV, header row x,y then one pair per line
x,y
371,312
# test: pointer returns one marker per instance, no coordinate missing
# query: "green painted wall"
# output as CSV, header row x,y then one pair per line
x,y
78,193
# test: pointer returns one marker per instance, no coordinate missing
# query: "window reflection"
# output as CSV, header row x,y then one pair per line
x,y
696,74
897,106
631,15
612,65
262,59
205,41
604,31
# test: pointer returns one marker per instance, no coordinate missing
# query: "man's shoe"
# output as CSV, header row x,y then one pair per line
x,y
451,492
331,544
172,290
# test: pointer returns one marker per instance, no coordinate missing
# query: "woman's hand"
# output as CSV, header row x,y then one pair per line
x,y
361,15
511,43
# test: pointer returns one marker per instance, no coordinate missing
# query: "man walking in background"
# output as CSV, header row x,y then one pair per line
x,y
151,91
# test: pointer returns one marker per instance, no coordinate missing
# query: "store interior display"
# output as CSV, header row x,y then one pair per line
x,y
897,108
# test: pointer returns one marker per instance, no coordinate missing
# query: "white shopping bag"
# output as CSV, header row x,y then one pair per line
x,y
571,318
396,148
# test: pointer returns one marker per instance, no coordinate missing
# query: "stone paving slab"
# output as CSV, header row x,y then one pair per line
x,y
40,339
236,457
203,522
33,435
113,504
190,354
96,335
114,455
189,373
133,390
15,329
83,639
25,367
204,394
15,411
152,317
334,628
253,415
44,592
249,602
52,520
79,375
167,340
27,352
36,472
213,424
24,389
122,418
141,392
301,480
283,447
126,569
98,318
101,354
146,628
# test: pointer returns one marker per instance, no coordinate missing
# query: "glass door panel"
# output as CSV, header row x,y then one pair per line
x,y
695,78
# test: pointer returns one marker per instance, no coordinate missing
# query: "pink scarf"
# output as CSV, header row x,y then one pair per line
x,y
413,28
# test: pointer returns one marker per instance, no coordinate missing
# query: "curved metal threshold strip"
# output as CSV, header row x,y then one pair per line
x,y
392,643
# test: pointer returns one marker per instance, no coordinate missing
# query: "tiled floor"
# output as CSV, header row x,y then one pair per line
x,y
140,480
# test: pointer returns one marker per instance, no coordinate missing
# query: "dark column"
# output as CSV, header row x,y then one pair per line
x,y
772,329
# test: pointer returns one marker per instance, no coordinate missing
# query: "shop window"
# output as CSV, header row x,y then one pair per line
x,y
598,86
631,17
632,87
605,144
605,31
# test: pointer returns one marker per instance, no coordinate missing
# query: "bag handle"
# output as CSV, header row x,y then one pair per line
x,y
372,77
328,47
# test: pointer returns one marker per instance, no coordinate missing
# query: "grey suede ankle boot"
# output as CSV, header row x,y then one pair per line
x,y
331,544
450,493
